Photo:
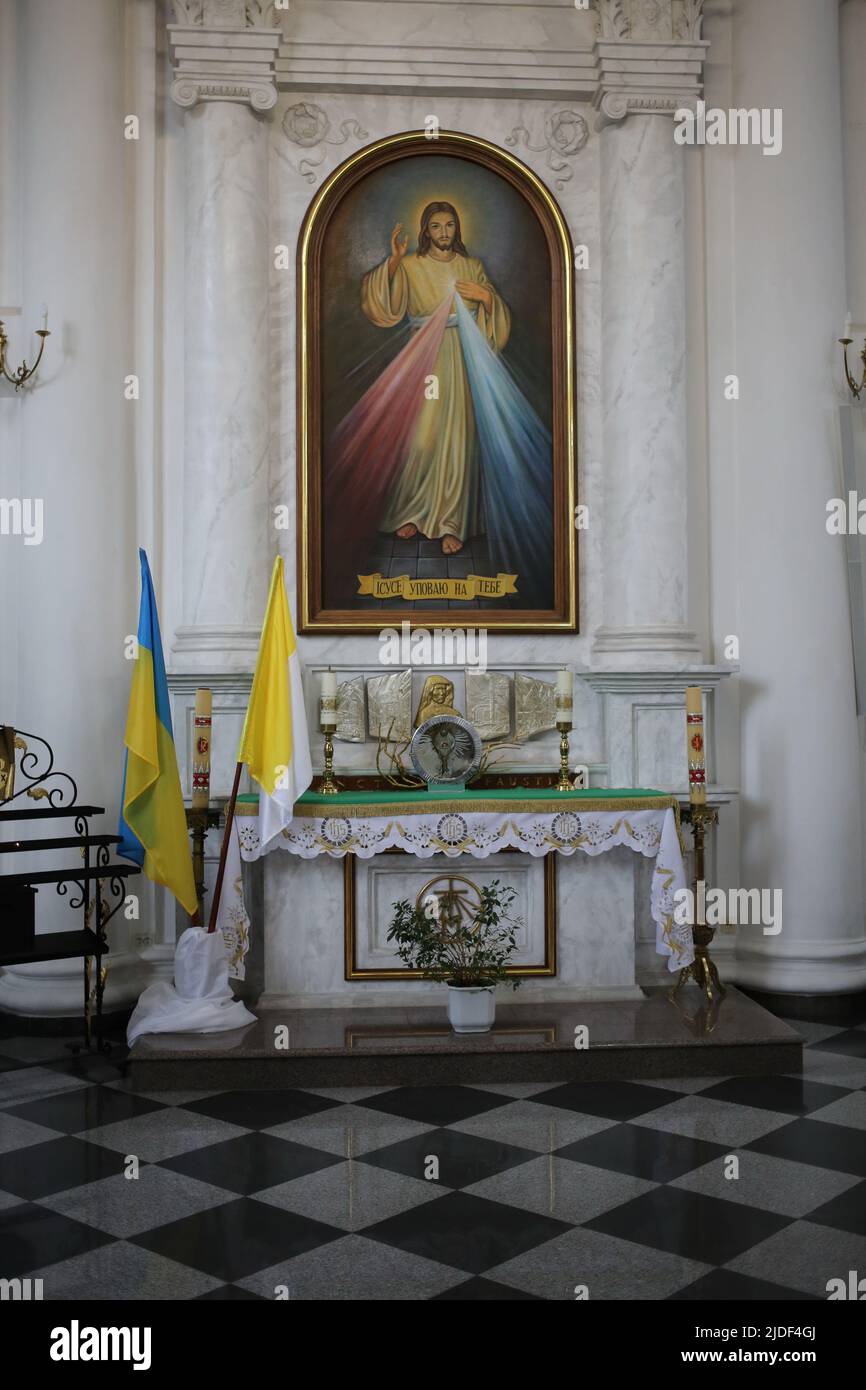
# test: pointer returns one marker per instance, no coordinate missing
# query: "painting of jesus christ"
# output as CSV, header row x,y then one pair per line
x,y
436,423
436,493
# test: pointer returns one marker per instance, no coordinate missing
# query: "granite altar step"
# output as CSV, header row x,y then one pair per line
x,y
531,1041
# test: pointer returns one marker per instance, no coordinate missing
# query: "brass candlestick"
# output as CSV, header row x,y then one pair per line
x,y
702,969
564,783
329,787
199,821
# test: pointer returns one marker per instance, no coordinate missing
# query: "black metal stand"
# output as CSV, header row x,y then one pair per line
x,y
19,942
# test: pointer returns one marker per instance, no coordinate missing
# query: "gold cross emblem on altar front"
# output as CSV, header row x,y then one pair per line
x,y
457,905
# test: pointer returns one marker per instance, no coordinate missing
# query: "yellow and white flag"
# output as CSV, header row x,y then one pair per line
x,y
274,744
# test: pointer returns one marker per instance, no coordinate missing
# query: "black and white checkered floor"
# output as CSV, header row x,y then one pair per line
x,y
456,1192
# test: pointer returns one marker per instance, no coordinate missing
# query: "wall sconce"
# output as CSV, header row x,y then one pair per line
x,y
856,387
23,373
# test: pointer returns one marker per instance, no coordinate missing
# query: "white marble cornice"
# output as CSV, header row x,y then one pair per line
x,y
224,50
642,55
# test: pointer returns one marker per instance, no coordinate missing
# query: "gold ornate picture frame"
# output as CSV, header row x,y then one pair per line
x,y
546,967
516,569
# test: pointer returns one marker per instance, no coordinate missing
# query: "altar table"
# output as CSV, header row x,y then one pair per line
x,y
535,820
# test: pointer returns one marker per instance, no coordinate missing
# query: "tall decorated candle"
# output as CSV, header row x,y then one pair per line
x,y
695,751
329,700
564,698
201,749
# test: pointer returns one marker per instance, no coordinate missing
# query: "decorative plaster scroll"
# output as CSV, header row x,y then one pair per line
x,y
615,105
565,133
186,91
307,125
650,21
227,14
261,15
613,19
688,19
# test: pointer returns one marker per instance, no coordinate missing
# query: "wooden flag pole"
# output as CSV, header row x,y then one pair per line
x,y
230,815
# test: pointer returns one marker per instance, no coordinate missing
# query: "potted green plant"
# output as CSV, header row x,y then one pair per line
x,y
467,951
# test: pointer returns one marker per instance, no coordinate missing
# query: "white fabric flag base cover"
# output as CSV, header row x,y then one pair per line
x,y
200,1000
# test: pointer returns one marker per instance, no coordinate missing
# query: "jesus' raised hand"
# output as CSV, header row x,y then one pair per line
x,y
398,248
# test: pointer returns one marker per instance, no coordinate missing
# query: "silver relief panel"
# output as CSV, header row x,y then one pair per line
x,y
389,705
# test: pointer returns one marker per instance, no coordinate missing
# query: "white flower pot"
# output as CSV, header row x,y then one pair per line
x,y
471,1008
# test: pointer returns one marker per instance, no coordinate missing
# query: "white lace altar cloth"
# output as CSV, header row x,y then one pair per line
x,y
648,825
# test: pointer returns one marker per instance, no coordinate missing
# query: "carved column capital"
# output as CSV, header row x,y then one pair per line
x,y
225,50
649,57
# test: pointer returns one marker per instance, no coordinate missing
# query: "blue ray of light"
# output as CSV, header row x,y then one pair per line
x,y
516,459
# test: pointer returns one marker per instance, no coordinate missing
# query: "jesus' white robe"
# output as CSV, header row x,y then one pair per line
x,y
437,488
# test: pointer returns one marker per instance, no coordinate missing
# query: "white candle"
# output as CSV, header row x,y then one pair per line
x,y
43,309
848,332
563,698
328,713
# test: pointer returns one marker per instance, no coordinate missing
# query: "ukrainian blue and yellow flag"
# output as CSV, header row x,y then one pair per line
x,y
152,821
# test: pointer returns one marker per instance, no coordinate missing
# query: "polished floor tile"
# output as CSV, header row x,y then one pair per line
x,y
226,1293
448,1157
261,1109
125,1207
18,1134
773,1184
689,1224
847,1211
554,1187
478,1290
725,1286
237,1239
163,1133
84,1108
851,1043
792,1095
56,1166
849,1110
250,1162
350,1195
714,1121
466,1232
834,1068
804,1256
657,1155
533,1125
819,1143
121,1272
437,1105
31,1237
584,1263
355,1266
350,1130
28,1083
611,1100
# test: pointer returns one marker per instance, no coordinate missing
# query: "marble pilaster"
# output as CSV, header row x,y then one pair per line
x,y
224,78
644,75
